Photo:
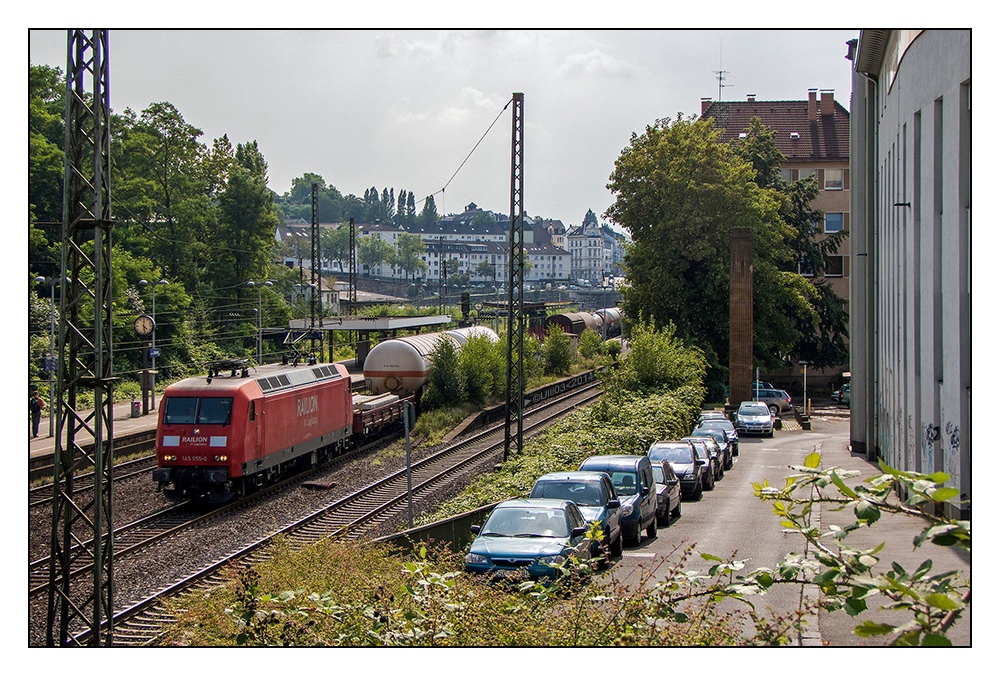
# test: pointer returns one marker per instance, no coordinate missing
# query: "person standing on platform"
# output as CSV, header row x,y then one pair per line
x,y
35,406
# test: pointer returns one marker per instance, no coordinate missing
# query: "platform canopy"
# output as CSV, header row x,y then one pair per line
x,y
372,323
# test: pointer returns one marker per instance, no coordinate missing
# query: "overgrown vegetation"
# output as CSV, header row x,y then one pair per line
x,y
625,420
347,594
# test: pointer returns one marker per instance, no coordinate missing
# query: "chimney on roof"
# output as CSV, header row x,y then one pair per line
x,y
826,102
812,105
751,98
705,104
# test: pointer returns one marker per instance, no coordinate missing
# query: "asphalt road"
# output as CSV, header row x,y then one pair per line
x,y
731,522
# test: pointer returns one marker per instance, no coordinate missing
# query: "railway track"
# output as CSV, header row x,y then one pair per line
x,y
351,516
132,538
41,495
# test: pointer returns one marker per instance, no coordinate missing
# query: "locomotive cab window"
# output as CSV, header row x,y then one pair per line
x,y
215,410
195,410
180,410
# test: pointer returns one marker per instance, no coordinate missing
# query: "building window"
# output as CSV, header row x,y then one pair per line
x,y
786,175
833,222
834,266
833,179
806,173
805,268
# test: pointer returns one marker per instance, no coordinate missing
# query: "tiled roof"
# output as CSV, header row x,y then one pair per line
x,y
825,139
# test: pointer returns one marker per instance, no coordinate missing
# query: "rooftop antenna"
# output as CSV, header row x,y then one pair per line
x,y
721,74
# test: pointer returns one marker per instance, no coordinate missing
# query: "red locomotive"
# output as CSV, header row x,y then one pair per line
x,y
231,432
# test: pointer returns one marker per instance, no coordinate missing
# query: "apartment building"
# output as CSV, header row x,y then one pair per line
x,y
814,136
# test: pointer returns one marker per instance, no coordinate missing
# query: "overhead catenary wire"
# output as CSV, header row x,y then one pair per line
x,y
448,182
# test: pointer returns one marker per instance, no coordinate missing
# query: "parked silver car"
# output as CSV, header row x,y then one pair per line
x,y
754,417
777,400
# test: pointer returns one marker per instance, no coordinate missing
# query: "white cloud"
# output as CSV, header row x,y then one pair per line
x,y
596,64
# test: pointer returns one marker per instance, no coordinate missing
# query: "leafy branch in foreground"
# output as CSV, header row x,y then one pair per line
x,y
847,577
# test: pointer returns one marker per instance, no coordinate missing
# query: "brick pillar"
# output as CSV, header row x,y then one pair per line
x,y
740,317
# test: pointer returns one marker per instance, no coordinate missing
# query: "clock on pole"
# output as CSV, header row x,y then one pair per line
x,y
144,325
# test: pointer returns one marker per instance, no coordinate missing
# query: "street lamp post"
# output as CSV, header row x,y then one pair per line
x,y
805,398
152,349
260,338
50,363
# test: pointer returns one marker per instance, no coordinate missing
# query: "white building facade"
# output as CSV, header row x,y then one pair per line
x,y
911,294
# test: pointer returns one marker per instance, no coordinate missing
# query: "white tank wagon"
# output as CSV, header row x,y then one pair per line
x,y
401,366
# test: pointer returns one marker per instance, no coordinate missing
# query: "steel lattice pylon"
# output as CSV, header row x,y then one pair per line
x,y
514,408
84,362
316,276
352,286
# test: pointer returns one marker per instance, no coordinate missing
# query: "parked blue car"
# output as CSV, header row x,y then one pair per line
x,y
595,495
632,476
528,538
684,459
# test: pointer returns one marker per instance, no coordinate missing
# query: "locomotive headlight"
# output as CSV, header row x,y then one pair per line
x,y
169,458
221,458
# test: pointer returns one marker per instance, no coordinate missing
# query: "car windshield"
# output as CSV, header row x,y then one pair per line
x,y
718,435
701,450
716,424
580,492
754,409
679,454
520,522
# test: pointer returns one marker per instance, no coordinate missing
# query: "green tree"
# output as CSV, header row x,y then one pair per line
x,y
373,251
590,344
46,92
429,214
658,360
487,270
446,382
822,332
335,244
162,195
247,221
409,248
557,351
483,365
679,191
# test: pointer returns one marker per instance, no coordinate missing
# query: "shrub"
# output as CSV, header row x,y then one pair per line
x,y
557,351
446,383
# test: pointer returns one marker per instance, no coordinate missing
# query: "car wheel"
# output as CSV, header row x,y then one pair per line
x,y
677,511
651,531
729,463
663,519
633,540
698,493
616,545
774,410
604,553
710,486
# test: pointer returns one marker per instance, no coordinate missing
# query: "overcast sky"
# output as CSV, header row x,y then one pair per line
x,y
403,109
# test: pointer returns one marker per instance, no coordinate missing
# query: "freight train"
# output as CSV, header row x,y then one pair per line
x,y
606,322
401,366
231,432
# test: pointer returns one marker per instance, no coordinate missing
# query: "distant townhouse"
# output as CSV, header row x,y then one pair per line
x,y
596,253
471,238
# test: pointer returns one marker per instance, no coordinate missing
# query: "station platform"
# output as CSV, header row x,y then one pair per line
x,y
124,424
